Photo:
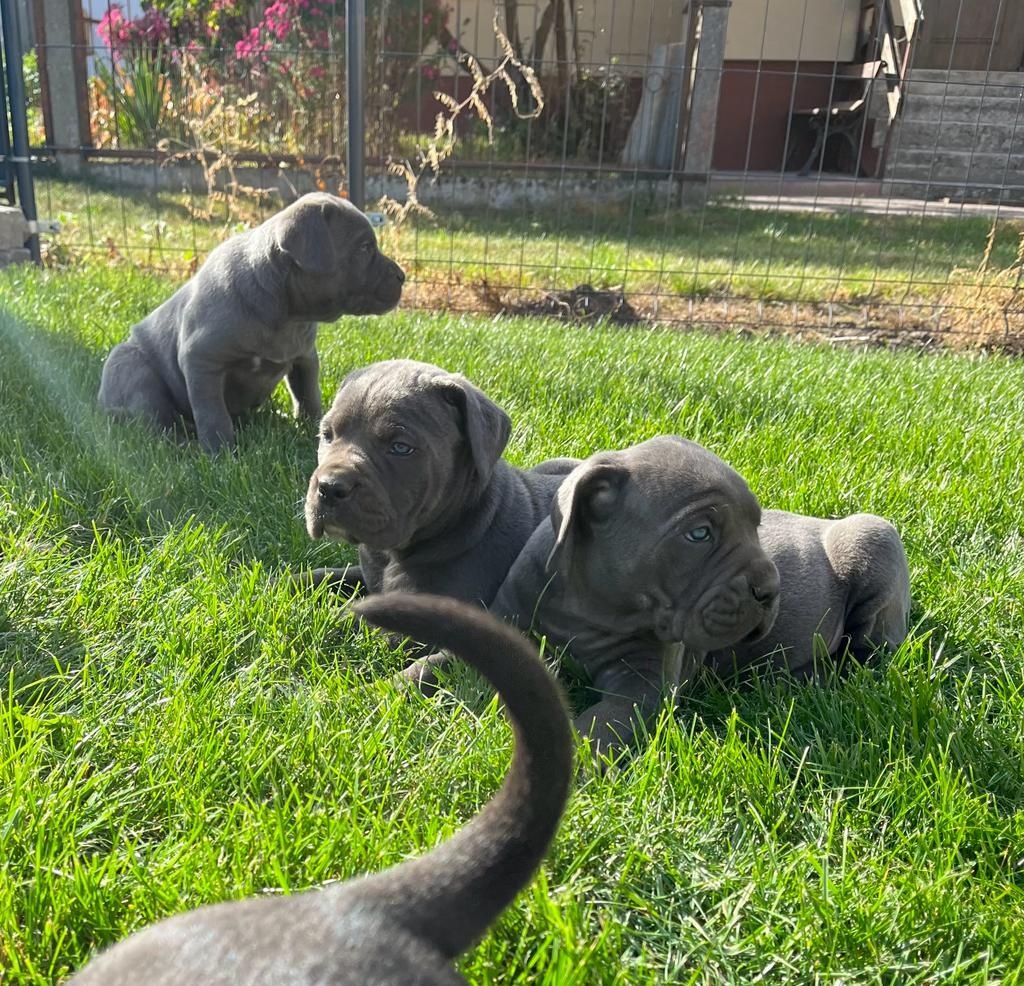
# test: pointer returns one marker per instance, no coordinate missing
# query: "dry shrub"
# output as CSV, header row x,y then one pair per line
x,y
985,307
439,148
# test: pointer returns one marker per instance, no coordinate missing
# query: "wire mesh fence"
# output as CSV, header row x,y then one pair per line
x,y
841,169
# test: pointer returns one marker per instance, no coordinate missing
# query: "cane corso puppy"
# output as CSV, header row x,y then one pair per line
x,y
409,469
404,926
651,561
248,319
845,590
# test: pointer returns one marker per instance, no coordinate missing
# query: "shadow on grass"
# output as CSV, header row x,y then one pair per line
x,y
97,473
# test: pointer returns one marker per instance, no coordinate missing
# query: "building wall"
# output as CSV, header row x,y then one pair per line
x,y
625,32
779,54
792,30
753,130
619,32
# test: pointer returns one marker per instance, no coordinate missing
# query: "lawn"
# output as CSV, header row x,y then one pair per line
x,y
654,253
178,729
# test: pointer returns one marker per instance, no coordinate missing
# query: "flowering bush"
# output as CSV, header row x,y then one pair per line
x,y
150,29
289,52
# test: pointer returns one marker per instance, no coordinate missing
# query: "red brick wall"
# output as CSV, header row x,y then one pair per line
x,y
763,100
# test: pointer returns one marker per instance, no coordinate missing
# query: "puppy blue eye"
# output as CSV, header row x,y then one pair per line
x,y
401,448
699,534
326,436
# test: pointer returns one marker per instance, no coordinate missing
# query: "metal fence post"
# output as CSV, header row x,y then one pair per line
x,y
6,168
19,121
355,76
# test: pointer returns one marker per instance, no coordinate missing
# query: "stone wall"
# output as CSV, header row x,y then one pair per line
x,y
13,232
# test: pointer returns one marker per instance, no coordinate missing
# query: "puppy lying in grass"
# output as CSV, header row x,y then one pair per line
x,y
650,561
403,926
845,589
410,470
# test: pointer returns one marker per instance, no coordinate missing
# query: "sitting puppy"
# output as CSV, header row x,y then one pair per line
x,y
650,562
845,583
405,925
248,319
409,469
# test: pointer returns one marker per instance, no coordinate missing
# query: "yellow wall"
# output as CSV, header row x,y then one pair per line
x,y
619,31
808,30
624,32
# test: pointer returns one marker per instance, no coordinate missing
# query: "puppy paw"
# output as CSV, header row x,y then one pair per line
x,y
419,675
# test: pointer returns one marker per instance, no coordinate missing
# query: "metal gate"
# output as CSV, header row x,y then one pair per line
x,y
6,167
15,172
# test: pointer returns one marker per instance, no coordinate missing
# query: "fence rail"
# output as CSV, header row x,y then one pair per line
x,y
657,178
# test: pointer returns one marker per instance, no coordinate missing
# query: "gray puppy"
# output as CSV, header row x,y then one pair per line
x,y
651,561
409,469
404,926
248,319
845,588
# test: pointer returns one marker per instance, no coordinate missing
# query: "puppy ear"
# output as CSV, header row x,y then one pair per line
x,y
486,426
301,232
587,496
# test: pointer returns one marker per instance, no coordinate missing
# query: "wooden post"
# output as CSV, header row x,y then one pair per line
x,y
707,80
61,46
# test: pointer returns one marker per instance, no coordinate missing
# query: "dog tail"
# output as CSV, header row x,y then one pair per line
x,y
451,895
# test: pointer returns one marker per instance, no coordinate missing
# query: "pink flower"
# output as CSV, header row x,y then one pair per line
x,y
111,25
250,47
317,72
154,26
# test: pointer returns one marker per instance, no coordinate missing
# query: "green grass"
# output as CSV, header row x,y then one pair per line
x,y
648,249
177,729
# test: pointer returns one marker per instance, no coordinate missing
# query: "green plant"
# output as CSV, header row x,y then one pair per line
x,y
138,86
34,99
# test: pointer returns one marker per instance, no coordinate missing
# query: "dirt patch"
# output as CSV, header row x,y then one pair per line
x,y
581,304
981,319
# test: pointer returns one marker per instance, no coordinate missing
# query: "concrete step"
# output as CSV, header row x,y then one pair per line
x,y
955,192
955,163
977,90
992,138
965,76
962,109
959,135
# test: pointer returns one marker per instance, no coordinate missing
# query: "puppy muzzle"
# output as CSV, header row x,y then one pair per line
x,y
742,607
387,290
341,504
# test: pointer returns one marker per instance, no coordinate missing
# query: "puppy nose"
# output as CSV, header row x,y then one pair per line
x,y
400,274
335,488
764,594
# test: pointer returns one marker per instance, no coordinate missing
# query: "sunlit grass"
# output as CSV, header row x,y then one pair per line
x,y
176,728
643,247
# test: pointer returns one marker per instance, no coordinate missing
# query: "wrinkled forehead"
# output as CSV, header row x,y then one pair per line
x,y
682,481
400,397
